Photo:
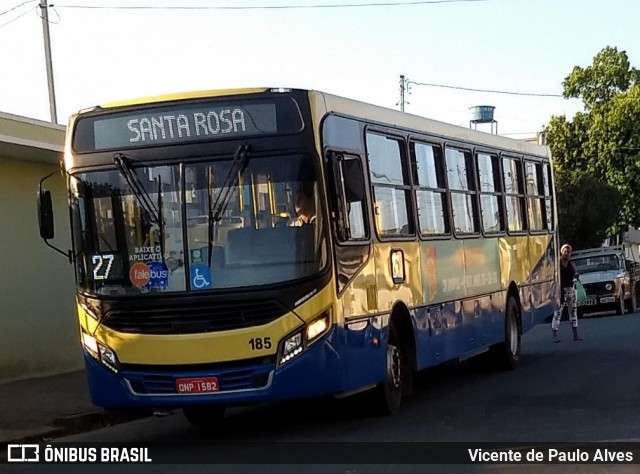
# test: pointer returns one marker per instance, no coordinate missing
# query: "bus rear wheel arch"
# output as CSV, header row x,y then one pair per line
x,y
506,355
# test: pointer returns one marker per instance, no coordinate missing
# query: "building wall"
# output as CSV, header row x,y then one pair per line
x,y
38,328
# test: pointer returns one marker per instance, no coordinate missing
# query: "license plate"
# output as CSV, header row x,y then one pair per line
x,y
589,302
608,299
197,385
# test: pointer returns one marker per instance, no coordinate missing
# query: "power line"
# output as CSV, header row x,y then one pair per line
x,y
16,7
19,16
266,7
484,90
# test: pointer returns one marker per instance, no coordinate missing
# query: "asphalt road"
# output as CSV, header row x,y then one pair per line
x,y
585,391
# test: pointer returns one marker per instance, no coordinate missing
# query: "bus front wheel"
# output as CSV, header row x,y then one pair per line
x,y
387,396
204,415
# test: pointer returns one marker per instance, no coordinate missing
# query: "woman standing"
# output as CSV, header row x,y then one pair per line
x,y
568,276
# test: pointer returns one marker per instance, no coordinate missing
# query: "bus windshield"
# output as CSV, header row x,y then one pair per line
x,y
197,226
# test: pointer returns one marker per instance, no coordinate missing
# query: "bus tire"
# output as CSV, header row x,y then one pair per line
x,y
387,396
204,415
506,355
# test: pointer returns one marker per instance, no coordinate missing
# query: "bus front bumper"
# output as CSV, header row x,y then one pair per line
x,y
315,372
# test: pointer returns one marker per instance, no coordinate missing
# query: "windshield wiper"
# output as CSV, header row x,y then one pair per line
x,y
209,213
217,208
161,218
240,160
122,163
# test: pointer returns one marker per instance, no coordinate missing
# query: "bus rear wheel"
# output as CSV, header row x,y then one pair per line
x,y
387,396
506,355
204,415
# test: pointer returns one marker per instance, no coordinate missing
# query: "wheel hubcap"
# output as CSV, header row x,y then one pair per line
x,y
394,366
513,337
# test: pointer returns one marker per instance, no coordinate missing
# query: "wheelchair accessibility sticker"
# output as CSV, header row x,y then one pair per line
x,y
200,277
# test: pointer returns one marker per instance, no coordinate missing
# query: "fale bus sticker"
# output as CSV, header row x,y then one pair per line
x,y
149,275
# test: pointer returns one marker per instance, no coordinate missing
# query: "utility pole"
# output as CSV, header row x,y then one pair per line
x,y
404,88
44,8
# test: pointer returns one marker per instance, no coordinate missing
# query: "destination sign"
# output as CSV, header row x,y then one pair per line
x,y
185,124
154,127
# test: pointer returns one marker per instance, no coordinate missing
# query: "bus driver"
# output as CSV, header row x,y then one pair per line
x,y
305,211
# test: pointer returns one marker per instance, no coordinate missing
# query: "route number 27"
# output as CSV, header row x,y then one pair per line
x,y
102,266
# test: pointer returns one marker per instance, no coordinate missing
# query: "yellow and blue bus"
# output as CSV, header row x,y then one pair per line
x,y
199,287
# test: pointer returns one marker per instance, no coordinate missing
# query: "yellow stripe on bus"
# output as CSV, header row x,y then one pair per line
x,y
180,96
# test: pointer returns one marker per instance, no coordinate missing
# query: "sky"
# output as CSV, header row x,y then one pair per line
x,y
525,46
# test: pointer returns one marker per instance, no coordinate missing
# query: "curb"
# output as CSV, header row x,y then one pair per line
x,y
76,424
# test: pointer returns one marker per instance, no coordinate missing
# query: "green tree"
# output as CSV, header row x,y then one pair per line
x,y
603,142
598,84
584,209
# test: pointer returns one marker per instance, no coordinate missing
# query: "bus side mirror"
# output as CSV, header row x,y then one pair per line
x,y
45,214
45,218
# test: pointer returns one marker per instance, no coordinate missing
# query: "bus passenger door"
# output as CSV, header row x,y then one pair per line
x,y
355,269
349,217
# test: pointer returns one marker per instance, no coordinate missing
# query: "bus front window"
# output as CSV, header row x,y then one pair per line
x,y
125,244
196,227
254,236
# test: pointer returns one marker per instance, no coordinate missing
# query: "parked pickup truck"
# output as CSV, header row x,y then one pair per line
x,y
610,276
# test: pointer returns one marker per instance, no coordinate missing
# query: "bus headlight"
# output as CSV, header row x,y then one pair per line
x,y
291,347
100,352
298,342
108,357
318,327
90,344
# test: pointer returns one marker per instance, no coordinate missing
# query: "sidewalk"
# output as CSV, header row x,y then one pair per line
x,y
39,409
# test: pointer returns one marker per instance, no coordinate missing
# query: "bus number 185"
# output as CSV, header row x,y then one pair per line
x,y
259,343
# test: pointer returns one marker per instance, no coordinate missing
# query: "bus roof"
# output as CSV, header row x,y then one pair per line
x,y
181,96
323,103
395,118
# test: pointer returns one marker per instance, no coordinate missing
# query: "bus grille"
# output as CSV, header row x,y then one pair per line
x,y
160,382
194,319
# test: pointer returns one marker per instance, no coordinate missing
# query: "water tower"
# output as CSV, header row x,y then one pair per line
x,y
482,114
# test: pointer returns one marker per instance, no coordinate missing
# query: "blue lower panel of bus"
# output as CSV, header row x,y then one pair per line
x,y
327,367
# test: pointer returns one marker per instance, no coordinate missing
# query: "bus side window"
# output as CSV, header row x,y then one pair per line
x,y
355,192
351,197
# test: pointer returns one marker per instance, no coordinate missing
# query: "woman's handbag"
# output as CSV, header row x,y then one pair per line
x,y
581,295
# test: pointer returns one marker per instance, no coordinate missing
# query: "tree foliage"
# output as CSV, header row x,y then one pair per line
x,y
584,209
602,143
609,75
